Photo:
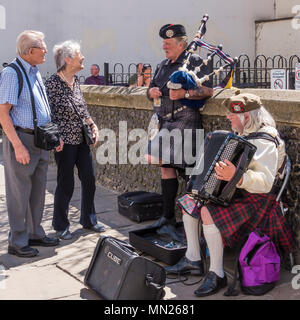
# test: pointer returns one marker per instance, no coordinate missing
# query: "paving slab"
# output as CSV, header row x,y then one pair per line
x,y
106,203
2,190
113,219
32,283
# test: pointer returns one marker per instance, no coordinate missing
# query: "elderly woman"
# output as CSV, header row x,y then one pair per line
x,y
254,206
69,112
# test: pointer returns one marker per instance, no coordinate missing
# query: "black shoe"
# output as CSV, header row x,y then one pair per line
x,y
211,284
163,221
96,228
25,252
44,242
186,266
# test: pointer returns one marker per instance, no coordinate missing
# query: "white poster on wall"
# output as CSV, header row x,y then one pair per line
x,y
297,76
278,79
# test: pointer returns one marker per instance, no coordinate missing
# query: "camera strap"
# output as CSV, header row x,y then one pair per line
x,y
31,95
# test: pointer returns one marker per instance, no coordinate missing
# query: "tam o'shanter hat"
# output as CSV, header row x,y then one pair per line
x,y
171,31
242,102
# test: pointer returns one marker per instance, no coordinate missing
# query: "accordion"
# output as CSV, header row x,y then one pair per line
x,y
219,145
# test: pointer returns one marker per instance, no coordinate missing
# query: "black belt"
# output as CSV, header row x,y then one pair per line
x,y
30,131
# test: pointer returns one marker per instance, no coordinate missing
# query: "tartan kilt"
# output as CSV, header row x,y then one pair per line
x,y
246,213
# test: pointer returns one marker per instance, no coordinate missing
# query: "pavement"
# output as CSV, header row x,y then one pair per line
x,y
58,272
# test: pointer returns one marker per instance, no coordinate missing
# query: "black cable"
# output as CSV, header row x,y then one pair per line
x,y
182,279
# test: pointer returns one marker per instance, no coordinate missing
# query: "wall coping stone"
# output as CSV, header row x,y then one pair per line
x,y
284,105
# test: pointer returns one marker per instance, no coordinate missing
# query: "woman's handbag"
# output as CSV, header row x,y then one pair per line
x,y
87,134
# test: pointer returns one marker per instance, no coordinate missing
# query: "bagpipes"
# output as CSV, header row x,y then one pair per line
x,y
187,79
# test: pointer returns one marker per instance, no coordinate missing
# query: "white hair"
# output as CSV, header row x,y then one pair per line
x,y
66,49
242,118
259,118
29,39
183,39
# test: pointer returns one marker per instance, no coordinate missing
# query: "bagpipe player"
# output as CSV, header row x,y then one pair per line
x,y
171,106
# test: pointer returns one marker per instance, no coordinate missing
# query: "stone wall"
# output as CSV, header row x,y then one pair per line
x,y
109,105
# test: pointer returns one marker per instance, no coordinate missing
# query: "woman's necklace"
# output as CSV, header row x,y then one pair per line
x,y
64,78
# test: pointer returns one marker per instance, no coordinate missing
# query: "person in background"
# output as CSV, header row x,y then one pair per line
x,y
144,78
25,165
95,78
69,111
133,80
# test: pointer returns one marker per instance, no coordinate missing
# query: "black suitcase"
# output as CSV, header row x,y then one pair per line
x,y
117,272
158,246
140,205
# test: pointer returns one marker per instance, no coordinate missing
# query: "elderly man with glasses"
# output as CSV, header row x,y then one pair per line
x,y
25,165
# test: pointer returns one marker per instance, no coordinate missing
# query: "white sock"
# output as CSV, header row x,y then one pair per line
x,y
192,237
215,246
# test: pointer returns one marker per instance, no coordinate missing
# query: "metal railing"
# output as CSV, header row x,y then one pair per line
x,y
246,74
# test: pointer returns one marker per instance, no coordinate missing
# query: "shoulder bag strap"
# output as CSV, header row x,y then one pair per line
x,y
75,109
31,94
20,77
43,93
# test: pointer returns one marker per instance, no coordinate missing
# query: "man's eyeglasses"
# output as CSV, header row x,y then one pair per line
x,y
43,49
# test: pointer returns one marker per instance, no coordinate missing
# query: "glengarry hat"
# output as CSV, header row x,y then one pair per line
x,y
242,102
169,31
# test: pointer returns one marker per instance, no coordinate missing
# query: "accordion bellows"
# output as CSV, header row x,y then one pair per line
x,y
219,145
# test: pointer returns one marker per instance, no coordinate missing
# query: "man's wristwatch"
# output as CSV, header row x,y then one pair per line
x,y
187,95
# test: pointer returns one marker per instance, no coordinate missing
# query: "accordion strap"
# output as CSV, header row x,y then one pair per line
x,y
262,135
267,136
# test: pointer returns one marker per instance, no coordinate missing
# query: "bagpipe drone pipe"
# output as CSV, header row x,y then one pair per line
x,y
188,79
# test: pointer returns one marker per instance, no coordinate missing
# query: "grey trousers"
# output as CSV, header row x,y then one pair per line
x,y
25,191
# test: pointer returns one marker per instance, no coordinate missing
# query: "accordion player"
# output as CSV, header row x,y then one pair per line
x,y
203,185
